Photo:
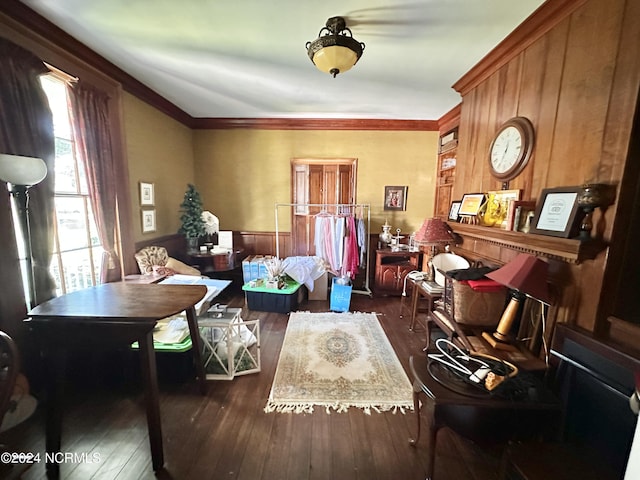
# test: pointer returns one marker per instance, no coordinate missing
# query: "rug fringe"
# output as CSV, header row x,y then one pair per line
x,y
338,408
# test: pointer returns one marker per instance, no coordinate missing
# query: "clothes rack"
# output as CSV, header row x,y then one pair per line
x,y
341,208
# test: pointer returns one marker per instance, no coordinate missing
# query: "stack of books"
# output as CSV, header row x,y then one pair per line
x,y
432,287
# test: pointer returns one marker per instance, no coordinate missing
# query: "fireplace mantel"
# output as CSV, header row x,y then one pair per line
x,y
488,243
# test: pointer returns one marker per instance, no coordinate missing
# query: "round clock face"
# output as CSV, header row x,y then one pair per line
x,y
511,148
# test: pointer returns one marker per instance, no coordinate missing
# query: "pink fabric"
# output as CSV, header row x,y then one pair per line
x,y
350,262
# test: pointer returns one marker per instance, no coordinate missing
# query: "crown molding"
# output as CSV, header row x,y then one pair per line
x,y
33,24
313,124
547,16
43,28
450,120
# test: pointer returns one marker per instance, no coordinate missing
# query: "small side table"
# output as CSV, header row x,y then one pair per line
x,y
418,291
478,417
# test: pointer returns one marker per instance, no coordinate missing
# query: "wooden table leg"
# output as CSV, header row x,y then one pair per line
x,y
57,361
414,306
150,378
196,346
416,410
433,436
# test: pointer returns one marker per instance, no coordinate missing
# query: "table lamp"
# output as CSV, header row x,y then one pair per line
x,y
433,232
526,276
21,173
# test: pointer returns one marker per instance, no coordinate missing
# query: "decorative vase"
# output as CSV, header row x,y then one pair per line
x,y
386,236
192,244
590,197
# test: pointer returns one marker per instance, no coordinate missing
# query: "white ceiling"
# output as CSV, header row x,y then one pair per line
x,y
247,58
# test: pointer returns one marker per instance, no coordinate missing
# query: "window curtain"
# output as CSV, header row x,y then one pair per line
x,y
92,136
26,128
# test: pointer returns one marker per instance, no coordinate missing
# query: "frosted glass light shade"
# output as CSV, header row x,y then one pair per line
x,y
335,50
19,170
339,58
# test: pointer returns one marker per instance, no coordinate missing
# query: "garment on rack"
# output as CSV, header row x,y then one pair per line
x,y
336,241
351,256
362,241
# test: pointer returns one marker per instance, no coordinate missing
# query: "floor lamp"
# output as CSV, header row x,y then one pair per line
x,y
21,173
526,275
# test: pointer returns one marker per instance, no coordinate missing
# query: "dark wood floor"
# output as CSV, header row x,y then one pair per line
x,y
226,434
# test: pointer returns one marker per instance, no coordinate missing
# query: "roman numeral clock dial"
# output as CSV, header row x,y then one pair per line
x,y
511,148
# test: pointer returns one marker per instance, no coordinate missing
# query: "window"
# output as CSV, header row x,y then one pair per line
x,y
77,252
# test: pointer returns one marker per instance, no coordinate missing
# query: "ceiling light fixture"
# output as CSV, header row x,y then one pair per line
x,y
335,50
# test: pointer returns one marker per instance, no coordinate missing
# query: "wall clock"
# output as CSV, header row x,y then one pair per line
x,y
511,148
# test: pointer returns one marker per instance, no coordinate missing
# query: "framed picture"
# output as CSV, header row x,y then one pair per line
x,y
557,212
395,198
454,209
471,203
147,195
498,201
148,221
518,215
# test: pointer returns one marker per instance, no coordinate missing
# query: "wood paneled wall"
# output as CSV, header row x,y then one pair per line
x,y
578,83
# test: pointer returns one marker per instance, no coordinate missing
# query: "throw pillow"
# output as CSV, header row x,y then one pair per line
x,y
182,268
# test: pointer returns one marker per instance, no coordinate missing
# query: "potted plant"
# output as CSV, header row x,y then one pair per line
x,y
193,226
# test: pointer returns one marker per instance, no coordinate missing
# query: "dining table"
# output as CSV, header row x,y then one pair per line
x,y
107,316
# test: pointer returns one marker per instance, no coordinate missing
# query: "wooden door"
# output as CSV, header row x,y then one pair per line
x,y
317,185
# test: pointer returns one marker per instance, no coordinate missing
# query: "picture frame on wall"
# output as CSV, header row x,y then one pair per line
x,y
557,212
149,220
147,194
395,198
470,204
453,210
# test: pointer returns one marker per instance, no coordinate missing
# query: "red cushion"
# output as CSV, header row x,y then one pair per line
x,y
485,285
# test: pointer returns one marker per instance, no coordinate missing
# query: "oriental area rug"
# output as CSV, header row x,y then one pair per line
x,y
338,361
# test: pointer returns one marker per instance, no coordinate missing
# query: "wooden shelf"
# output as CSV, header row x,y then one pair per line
x,y
563,249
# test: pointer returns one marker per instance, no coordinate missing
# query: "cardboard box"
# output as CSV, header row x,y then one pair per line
x,y
320,288
253,267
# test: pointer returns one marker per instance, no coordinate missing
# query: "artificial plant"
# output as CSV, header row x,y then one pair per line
x,y
191,218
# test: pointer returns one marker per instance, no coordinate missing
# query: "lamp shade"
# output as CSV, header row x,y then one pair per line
x,y
19,170
526,274
433,232
335,50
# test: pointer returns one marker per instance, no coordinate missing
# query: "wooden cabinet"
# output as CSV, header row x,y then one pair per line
x,y
392,268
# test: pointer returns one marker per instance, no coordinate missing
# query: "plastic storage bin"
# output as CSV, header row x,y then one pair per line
x,y
265,299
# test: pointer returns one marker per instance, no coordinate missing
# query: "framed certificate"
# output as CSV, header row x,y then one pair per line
x,y
557,213
471,203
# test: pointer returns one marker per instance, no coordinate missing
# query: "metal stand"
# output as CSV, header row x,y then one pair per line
x,y
340,207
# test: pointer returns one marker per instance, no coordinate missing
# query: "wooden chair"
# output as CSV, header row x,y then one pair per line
x,y
9,366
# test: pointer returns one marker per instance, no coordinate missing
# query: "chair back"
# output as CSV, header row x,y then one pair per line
x,y
9,366
150,256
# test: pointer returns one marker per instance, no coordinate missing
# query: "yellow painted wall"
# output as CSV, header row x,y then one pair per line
x,y
160,151
242,173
